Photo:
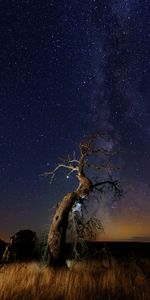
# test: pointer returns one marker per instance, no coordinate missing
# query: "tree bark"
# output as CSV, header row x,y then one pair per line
x,y
58,228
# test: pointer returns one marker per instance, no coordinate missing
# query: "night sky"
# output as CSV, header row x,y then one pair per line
x,y
68,68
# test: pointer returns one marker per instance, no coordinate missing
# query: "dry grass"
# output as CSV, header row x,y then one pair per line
x,y
90,280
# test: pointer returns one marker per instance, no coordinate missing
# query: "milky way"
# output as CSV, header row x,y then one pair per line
x,y
68,69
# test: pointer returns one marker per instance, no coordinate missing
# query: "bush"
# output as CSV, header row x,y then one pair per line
x,y
22,247
2,249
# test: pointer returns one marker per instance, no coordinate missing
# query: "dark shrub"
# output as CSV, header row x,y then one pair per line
x,y
22,247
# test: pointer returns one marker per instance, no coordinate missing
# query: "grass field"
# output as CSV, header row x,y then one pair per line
x,y
85,280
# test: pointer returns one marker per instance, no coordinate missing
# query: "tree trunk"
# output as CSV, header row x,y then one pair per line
x,y
58,228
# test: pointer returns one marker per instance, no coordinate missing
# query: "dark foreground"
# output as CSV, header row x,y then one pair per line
x,y
86,280
120,250
111,271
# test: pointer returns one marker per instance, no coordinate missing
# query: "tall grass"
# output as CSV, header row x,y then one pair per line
x,y
90,280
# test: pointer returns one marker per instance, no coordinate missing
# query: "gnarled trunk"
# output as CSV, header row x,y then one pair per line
x,y
58,228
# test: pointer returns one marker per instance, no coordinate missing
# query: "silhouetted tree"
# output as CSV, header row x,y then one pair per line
x,y
93,148
2,249
22,247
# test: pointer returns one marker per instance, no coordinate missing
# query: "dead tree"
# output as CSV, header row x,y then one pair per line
x,y
59,225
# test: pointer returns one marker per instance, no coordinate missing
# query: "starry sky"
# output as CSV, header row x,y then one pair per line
x,y
67,69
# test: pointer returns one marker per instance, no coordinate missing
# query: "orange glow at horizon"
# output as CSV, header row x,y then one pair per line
x,y
119,229
4,236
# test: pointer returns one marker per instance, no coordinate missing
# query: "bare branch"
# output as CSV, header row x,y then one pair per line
x,y
53,173
92,226
70,161
114,184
